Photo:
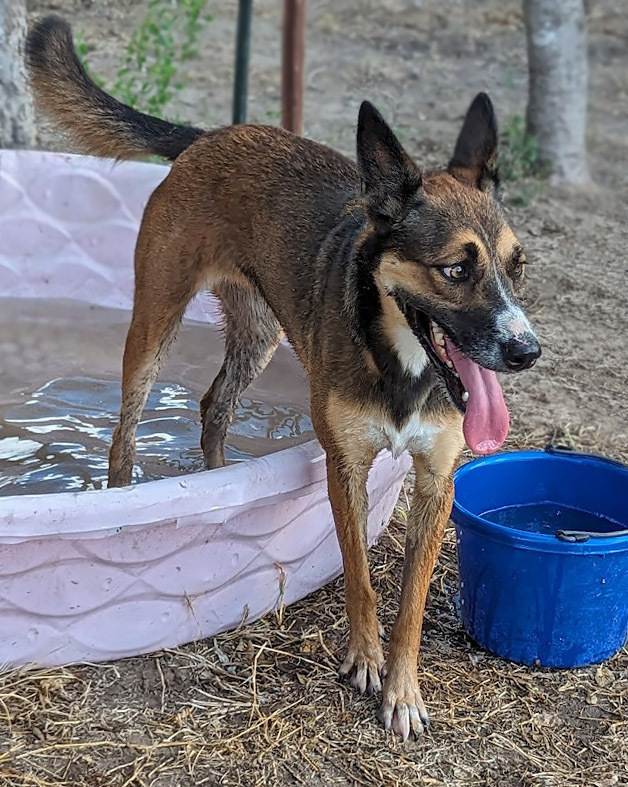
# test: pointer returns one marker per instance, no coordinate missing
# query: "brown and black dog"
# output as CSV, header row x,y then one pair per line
x,y
397,289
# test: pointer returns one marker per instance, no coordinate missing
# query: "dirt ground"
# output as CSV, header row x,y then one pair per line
x,y
263,705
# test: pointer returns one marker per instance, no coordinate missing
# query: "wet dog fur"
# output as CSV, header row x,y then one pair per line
x,y
353,264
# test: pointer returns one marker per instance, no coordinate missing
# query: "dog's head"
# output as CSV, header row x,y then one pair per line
x,y
448,266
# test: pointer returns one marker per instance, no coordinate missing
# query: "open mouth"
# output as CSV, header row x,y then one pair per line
x,y
473,389
433,339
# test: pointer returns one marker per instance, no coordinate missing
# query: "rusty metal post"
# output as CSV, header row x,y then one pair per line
x,y
292,65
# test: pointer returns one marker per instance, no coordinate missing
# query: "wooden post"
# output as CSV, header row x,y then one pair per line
x,y
292,62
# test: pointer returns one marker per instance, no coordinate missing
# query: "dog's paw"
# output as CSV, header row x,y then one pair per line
x,y
402,709
364,667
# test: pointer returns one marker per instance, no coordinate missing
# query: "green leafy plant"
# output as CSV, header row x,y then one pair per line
x,y
192,24
167,35
519,153
519,163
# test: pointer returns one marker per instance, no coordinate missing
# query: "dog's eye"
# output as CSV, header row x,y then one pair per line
x,y
516,272
455,272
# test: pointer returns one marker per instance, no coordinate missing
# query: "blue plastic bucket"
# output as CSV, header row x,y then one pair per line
x,y
543,555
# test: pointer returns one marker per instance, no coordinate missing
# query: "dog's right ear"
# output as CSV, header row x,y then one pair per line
x,y
390,179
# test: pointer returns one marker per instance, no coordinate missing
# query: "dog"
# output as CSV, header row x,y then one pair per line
x,y
397,288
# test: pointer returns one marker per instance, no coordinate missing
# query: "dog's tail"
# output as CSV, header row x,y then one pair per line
x,y
96,122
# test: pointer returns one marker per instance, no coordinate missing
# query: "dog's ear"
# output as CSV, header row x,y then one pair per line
x,y
390,180
475,157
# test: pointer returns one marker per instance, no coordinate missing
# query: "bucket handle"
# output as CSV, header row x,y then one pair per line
x,y
566,450
580,536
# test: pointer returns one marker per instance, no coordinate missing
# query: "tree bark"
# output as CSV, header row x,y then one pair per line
x,y
17,117
558,68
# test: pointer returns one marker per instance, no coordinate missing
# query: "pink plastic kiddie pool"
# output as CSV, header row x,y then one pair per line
x,y
103,574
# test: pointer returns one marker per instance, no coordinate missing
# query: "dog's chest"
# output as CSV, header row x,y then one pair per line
x,y
415,435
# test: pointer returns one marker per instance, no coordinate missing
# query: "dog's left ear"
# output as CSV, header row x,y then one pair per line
x,y
475,157
390,179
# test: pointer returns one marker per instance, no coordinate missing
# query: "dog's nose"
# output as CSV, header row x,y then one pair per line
x,y
521,353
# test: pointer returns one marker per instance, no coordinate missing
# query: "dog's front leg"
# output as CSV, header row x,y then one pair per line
x,y
349,502
402,707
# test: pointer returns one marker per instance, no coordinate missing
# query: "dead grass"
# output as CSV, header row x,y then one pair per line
x,y
264,706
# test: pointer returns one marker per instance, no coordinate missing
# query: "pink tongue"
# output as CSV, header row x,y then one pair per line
x,y
486,420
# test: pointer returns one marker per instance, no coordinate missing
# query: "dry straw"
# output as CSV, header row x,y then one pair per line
x,y
263,705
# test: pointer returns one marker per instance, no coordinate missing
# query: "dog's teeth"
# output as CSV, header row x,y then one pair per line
x,y
438,334
450,364
465,396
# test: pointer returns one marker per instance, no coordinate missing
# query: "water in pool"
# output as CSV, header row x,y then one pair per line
x,y
547,518
60,396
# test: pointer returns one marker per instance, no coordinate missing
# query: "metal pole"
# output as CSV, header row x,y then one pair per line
x,y
292,60
243,48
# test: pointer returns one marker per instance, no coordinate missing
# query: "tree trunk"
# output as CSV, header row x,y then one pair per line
x,y
557,103
17,118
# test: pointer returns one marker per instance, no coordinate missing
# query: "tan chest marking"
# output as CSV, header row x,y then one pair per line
x,y
416,436
360,432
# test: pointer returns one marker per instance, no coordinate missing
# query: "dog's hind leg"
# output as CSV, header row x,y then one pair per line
x,y
252,334
160,301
